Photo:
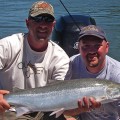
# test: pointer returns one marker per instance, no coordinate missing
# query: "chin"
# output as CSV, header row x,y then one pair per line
x,y
93,65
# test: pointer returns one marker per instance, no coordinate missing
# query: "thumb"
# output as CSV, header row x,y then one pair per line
x,y
4,92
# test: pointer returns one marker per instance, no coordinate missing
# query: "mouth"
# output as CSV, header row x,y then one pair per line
x,y
42,31
92,57
92,60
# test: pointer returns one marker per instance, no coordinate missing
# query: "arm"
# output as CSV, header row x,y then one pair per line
x,y
3,103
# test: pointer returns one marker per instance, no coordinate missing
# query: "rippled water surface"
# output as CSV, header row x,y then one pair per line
x,y
106,13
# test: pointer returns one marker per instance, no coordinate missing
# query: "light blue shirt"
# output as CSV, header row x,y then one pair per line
x,y
111,71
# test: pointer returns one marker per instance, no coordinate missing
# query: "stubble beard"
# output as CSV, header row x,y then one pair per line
x,y
41,39
93,64
42,36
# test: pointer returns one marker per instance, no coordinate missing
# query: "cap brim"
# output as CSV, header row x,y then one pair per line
x,y
41,13
91,34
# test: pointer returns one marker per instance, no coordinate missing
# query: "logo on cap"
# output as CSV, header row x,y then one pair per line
x,y
44,6
41,7
90,28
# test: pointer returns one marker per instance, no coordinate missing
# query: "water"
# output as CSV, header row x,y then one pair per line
x,y
13,14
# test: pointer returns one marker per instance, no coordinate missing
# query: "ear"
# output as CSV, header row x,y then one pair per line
x,y
54,22
107,47
27,23
79,46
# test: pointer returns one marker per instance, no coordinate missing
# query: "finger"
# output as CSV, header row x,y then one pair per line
x,y
2,109
4,104
94,103
86,102
80,105
83,105
4,92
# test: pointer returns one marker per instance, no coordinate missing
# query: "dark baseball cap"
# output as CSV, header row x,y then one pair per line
x,y
92,30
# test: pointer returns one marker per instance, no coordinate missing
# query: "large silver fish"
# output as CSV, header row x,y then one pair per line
x,y
63,95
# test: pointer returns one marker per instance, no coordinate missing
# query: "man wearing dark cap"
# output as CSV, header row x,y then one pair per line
x,y
93,62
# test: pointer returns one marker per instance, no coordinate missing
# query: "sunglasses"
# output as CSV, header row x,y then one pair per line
x,y
41,18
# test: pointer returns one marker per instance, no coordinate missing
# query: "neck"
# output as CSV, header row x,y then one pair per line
x,y
96,69
38,45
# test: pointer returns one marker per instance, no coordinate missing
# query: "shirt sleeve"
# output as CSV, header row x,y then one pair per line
x,y
61,69
3,54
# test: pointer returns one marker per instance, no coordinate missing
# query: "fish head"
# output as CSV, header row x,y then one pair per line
x,y
113,91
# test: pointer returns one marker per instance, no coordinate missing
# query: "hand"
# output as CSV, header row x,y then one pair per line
x,y
88,104
3,103
85,105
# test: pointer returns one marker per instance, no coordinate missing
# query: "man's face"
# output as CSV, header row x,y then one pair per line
x,y
40,30
93,50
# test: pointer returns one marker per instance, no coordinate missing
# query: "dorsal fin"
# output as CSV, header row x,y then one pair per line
x,y
16,89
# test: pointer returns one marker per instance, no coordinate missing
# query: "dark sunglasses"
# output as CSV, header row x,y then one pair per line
x,y
41,18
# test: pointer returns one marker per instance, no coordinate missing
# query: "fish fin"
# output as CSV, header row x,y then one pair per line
x,y
55,82
58,112
12,109
16,89
21,110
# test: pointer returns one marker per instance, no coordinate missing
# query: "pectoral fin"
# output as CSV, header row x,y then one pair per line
x,y
21,110
58,112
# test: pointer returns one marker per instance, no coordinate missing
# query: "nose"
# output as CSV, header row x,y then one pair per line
x,y
42,24
91,49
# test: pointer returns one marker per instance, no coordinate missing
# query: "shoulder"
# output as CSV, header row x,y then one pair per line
x,y
113,68
76,62
75,58
112,62
56,46
57,50
13,36
11,45
12,40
